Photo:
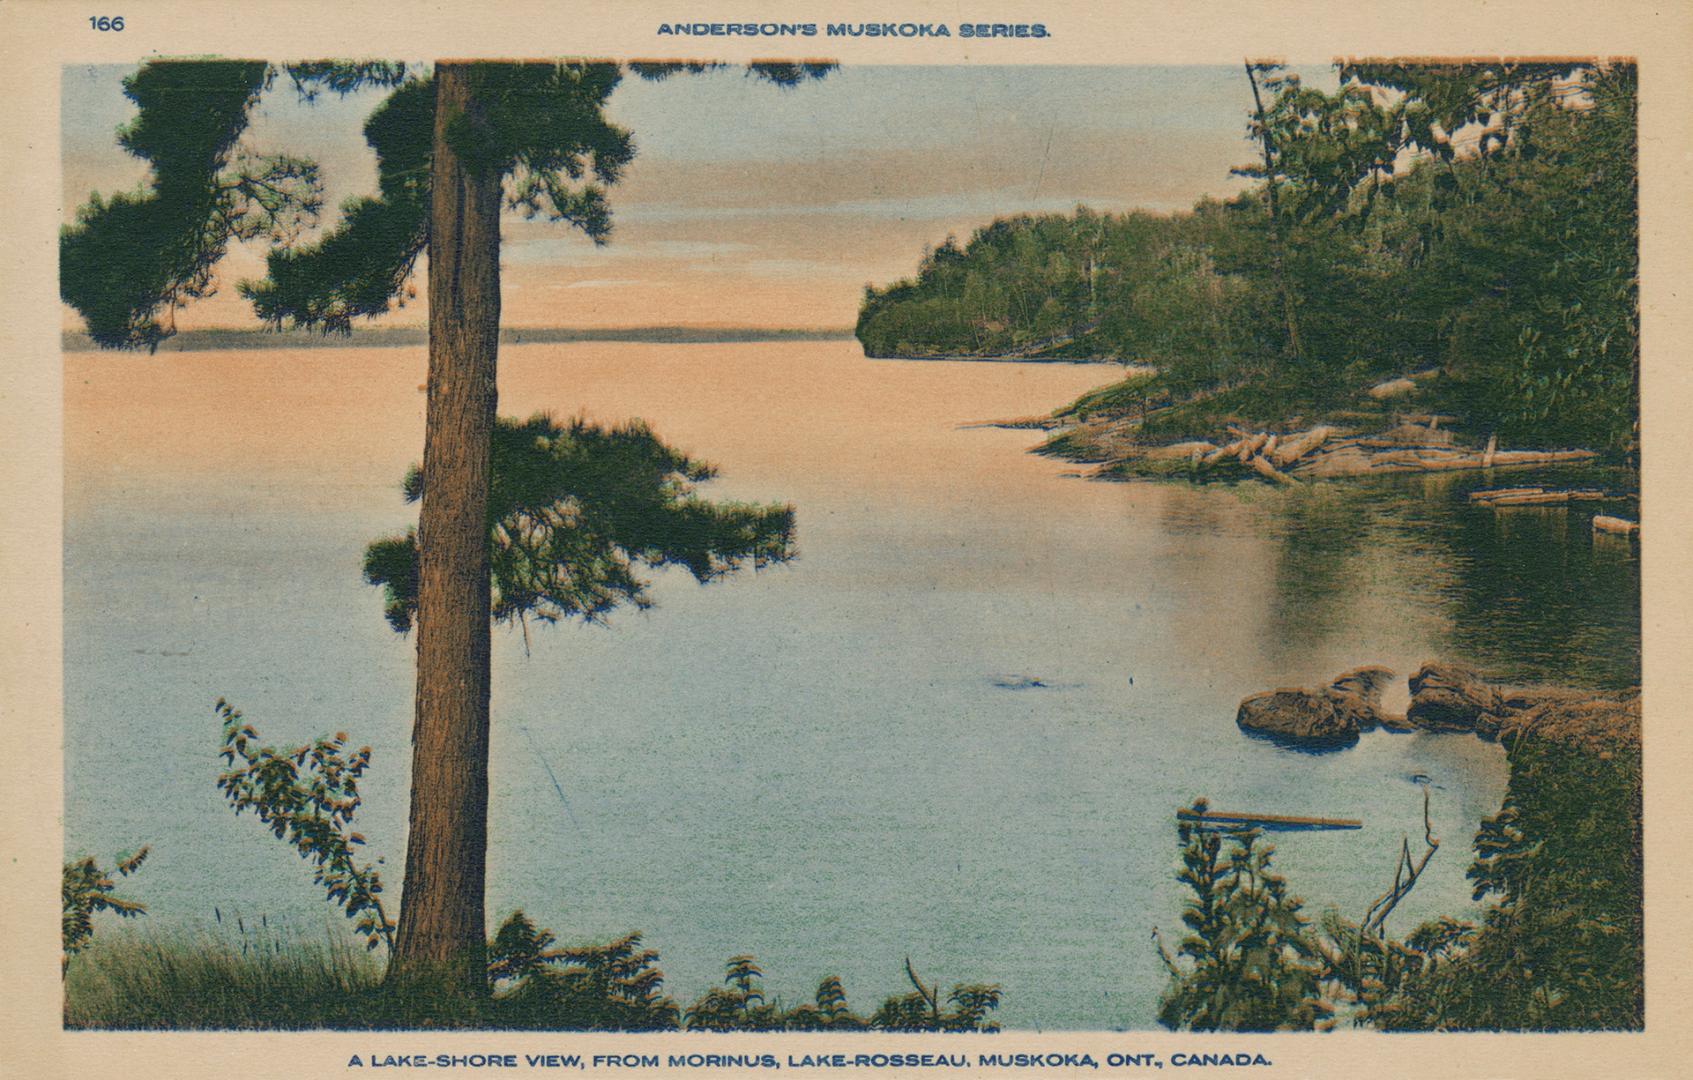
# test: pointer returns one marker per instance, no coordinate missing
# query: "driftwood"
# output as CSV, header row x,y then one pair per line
x,y
1541,457
1351,459
1615,525
1534,497
1499,493
1294,447
1222,452
1263,468
1247,820
1405,876
1317,453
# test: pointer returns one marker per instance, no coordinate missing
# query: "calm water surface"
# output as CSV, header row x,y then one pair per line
x,y
828,764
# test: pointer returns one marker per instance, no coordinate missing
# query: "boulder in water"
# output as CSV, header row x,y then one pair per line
x,y
1298,716
1446,697
1331,716
1359,692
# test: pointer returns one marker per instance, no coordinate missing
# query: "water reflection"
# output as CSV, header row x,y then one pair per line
x,y
958,727
1527,594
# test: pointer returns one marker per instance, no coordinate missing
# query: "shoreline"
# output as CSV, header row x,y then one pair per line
x,y
217,338
1131,429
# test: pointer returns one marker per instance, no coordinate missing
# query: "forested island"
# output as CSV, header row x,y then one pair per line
x,y
1471,225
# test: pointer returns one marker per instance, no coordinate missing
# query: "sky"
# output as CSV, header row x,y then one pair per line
x,y
752,206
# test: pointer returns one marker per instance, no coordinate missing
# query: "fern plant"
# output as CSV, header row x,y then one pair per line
x,y
1249,961
611,987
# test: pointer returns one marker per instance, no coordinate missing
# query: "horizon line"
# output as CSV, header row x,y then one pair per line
x,y
258,337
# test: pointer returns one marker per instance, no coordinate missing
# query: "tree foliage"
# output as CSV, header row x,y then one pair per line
x,y
307,795
132,259
1248,961
575,509
1560,948
543,126
740,1005
87,888
1479,218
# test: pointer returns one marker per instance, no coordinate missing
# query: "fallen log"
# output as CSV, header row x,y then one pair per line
x,y
1346,459
1419,457
1232,820
1177,450
1618,526
1263,468
1496,493
1294,447
1252,446
1541,498
1221,452
1391,388
1541,457
1350,458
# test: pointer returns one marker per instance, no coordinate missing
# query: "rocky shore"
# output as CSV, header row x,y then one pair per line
x,y
1444,698
1327,452
1396,426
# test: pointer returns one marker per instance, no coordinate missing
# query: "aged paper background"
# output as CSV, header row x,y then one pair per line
x,y
38,37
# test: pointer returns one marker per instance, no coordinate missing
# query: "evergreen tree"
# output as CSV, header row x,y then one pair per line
x,y
448,144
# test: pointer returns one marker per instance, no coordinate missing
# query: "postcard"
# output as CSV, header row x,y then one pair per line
x,y
904,540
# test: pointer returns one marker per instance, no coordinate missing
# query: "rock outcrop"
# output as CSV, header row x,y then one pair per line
x,y
1447,697
1303,716
1444,698
1328,717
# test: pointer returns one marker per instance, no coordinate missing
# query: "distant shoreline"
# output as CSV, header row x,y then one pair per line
x,y
403,336
999,358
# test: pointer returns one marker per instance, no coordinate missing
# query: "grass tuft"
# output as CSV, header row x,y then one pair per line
x,y
256,981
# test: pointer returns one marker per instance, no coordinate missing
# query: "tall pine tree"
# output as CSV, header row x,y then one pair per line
x,y
453,147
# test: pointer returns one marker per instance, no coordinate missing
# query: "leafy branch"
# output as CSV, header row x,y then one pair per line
x,y
307,795
88,888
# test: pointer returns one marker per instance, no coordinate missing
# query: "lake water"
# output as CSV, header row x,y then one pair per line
x,y
832,764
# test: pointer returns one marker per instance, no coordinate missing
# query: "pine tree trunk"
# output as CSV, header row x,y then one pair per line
x,y
441,931
1278,262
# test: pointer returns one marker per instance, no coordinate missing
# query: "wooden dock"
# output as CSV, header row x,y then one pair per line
x,y
1284,821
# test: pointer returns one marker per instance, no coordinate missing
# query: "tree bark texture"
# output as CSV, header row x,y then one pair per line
x,y
442,927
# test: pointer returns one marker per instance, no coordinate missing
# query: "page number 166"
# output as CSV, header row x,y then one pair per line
x,y
103,22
